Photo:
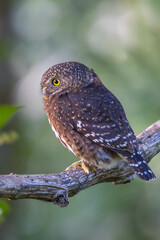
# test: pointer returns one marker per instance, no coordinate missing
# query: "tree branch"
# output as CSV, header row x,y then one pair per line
x,y
57,188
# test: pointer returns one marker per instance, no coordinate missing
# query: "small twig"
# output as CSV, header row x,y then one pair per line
x,y
57,188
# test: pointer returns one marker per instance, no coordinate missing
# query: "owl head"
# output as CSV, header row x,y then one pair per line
x,y
66,77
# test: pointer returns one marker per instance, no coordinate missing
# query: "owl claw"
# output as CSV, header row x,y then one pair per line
x,y
79,164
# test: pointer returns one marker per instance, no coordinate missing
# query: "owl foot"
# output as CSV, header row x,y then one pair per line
x,y
79,164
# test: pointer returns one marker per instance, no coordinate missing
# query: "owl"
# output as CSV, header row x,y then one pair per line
x,y
89,120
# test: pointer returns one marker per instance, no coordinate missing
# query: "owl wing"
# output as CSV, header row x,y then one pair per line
x,y
98,115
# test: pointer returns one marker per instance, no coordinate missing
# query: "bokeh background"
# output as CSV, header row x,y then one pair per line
x,y
120,40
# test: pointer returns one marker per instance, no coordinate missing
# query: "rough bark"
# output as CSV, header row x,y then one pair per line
x,y
57,188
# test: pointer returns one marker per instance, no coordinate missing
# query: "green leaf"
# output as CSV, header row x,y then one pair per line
x,y
4,209
6,112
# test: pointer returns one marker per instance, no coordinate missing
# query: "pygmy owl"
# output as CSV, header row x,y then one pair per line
x,y
89,120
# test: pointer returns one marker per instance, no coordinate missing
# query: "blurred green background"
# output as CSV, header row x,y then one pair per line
x,y
120,40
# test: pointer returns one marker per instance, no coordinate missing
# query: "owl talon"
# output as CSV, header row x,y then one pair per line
x,y
79,164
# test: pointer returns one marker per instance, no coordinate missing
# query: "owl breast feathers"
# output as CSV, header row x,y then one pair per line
x,y
88,119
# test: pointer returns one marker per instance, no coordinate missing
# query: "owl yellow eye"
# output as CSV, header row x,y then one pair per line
x,y
56,81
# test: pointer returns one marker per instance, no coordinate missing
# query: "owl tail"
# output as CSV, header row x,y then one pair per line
x,y
140,167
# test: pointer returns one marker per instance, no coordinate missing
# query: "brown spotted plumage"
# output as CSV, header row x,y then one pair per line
x,y
89,120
